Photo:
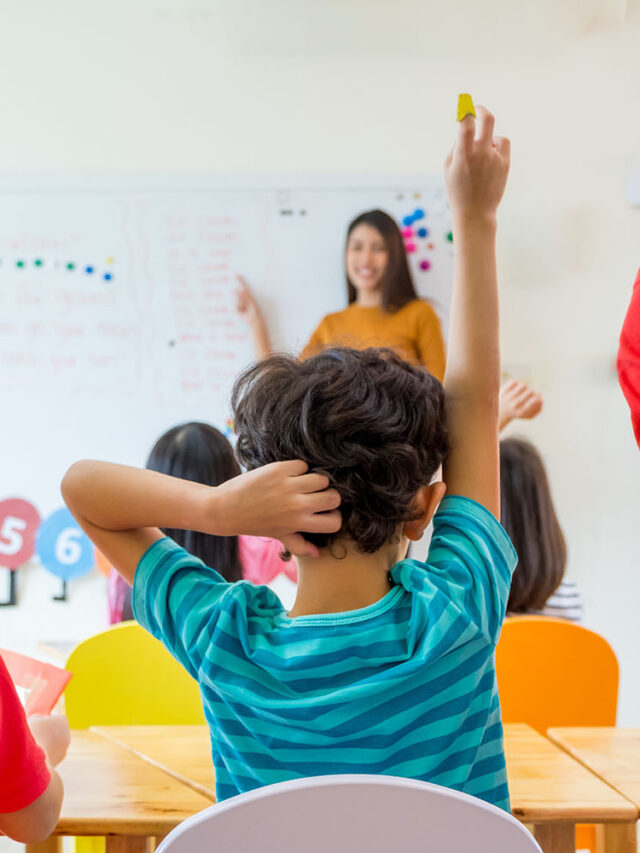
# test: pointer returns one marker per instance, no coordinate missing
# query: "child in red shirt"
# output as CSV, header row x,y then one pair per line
x,y
629,358
30,790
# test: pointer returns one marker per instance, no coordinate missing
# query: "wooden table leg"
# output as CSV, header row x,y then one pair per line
x,y
51,845
556,837
127,844
617,838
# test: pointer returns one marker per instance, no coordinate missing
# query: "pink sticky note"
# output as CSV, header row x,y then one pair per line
x,y
410,247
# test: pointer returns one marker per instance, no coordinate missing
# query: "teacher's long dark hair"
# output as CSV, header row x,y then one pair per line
x,y
397,284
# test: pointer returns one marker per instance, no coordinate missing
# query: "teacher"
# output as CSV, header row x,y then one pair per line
x,y
383,308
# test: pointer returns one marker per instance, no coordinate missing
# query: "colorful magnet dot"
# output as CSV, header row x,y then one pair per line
x,y
88,270
418,213
431,245
450,236
408,220
425,265
423,232
410,247
20,264
107,276
38,262
407,232
71,266
109,261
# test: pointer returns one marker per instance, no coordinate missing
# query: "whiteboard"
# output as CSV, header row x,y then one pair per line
x,y
117,310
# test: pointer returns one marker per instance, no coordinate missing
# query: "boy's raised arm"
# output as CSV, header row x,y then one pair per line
x,y
121,509
476,174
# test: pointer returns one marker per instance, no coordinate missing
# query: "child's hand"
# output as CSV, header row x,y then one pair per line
x,y
246,304
476,169
278,500
518,400
52,735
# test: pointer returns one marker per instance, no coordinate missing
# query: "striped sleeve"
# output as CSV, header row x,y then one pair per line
x,y
178,599
471,559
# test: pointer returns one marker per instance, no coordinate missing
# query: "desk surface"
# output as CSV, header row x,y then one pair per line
x,y
111,791
613,754
183,752
57,649
546,784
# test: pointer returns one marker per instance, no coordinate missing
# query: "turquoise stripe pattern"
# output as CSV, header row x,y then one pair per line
x,y
405,687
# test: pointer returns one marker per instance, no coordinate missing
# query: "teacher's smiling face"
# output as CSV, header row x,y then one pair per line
x,y
366,258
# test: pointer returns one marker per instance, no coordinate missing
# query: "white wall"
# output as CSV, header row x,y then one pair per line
x,y
353,86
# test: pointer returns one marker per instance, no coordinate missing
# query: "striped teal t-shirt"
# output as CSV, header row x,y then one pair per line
x,y
405,687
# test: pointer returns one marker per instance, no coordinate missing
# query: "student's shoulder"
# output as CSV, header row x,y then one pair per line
x,y
167,570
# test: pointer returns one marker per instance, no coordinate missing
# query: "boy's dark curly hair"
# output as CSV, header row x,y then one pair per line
x,y
374,423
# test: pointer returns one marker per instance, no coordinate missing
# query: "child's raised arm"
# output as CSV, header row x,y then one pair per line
x,y
476,174
121,509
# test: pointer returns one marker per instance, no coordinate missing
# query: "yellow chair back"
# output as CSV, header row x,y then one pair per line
x,y
123,676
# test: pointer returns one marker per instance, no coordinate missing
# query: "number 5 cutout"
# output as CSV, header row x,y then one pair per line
x,y
63,548
19,522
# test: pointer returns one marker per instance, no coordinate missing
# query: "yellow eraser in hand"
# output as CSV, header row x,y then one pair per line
x,y
465,106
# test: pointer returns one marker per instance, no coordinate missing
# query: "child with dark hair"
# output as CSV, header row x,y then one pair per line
x,y
201,453
383,665
529,517
383,308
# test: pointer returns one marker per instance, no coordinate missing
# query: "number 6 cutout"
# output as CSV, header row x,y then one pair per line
x,y
63,548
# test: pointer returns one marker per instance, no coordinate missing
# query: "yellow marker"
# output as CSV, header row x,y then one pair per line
x,y
465,106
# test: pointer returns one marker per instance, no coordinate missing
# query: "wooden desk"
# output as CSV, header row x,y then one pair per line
x,y
183,752
57,649
611,753
553,792
549,789
113,793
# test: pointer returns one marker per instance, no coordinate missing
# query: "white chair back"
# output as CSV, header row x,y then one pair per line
x,y
349,814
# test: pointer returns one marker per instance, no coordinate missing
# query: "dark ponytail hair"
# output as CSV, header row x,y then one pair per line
x,y
199,452
529,518
397,284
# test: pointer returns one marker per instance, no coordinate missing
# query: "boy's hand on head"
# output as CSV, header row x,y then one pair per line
x,y
279,500
518,400
476,168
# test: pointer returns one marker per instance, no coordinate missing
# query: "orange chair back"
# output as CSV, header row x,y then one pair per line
x,y
555,673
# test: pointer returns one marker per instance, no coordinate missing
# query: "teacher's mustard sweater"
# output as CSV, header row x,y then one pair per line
x,y
413,332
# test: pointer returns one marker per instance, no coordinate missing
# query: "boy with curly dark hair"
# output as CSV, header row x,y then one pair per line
x,y
383,665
